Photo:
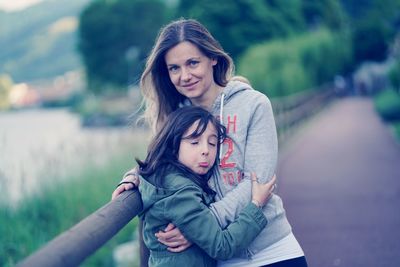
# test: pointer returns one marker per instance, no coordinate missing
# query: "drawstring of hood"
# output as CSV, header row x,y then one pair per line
x,y
221,119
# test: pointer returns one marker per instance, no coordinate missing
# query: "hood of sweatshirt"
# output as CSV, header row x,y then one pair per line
x,y
150,193
229,92
172,184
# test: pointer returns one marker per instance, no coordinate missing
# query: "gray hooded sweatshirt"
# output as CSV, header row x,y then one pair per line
x,y
252,146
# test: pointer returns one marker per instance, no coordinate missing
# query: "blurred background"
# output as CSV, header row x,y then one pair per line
x,y
69,96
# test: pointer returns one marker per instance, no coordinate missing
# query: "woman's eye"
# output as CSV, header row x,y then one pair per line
x,y
193,63
212,144
194,142
173,69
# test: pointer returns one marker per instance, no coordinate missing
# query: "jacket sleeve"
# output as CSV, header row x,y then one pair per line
x,y
197,223
261,154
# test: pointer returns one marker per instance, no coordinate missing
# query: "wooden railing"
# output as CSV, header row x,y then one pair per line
x,y
73,246
292,110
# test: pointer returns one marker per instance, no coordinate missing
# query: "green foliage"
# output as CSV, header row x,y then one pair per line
x,y
286,66
396,127
328,13
42,217
239,24
394,76
374,25
387,103
115,38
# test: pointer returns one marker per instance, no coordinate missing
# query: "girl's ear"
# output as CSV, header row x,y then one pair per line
x,y
214,61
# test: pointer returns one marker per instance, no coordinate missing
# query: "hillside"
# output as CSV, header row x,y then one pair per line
x,y
40,42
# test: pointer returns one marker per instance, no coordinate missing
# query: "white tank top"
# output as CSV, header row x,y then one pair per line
x,y
285,249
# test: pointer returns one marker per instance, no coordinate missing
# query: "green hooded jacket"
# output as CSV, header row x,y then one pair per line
x,y
182,202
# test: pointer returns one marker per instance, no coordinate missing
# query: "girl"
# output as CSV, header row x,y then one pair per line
x,y
187,66
174,188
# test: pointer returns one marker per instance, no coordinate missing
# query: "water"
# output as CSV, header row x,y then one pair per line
x,y
42,146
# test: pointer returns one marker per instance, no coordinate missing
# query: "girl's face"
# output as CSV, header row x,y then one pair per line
x,y
191,72
198,154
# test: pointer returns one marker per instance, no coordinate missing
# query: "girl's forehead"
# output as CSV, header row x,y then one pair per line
x,y
210,129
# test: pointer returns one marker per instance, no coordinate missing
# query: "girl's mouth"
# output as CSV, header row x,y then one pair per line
x,y
203,164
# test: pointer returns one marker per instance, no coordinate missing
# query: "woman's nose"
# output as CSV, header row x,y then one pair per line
x,y
186,75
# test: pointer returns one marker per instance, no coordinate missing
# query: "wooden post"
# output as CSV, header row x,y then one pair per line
x,y
73,246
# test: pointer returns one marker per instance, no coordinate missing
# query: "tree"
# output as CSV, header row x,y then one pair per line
x,y
324,12
239,24
115,37
374,24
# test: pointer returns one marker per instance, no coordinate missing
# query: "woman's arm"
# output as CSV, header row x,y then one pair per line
x,y
187,211
260,153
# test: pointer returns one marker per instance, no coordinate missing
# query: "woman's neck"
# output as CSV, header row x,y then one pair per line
x,y
207,100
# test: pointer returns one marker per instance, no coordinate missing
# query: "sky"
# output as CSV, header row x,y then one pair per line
x,y
14,5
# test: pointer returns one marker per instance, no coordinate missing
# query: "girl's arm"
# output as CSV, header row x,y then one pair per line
x,y
261,153
187,211
129,181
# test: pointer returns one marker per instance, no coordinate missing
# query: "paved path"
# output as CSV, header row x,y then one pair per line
x,y
340,183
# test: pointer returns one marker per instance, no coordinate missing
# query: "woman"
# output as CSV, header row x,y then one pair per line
x,y
187,66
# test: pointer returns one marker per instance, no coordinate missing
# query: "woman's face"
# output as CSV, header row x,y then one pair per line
x,y
198,154
191,72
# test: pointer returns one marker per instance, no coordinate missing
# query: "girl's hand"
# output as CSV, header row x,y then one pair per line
x,y
261,192
130,181
173,239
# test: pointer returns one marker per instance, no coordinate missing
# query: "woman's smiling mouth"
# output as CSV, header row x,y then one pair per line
x,y
190,85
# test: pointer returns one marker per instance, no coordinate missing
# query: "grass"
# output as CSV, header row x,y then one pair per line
x,y
41,217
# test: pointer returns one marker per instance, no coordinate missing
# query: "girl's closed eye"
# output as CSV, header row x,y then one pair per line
x,y
213,140
194,142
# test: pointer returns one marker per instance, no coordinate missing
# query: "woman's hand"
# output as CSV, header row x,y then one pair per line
x,y
261,192
173,239
130,181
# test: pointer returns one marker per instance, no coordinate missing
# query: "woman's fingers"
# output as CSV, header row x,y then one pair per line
x,y
179,248
173,239
173,244
173,235
169,227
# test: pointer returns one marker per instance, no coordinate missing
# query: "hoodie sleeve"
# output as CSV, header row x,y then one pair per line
x,y
197,223
260,156
261,151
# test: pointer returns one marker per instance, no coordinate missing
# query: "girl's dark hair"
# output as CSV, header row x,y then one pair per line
x,y
164,149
